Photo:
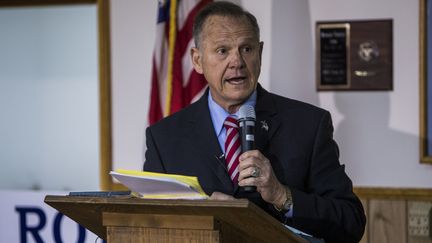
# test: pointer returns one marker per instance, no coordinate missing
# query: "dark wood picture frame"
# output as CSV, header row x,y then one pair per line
x,y
425,87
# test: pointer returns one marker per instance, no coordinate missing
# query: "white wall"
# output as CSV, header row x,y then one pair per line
x,y
377,131
263,13
133,27
292,56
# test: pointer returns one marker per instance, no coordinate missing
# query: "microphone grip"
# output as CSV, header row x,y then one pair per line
x,y
247,132
248,140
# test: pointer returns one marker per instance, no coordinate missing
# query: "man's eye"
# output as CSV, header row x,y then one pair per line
x,y
221,51
246,49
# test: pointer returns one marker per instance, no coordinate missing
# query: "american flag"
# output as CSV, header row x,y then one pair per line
x,y
175,84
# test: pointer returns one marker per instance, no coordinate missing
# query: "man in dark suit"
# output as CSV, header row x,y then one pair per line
x,y
295,166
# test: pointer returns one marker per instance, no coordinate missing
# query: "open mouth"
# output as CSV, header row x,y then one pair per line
x,y
236,80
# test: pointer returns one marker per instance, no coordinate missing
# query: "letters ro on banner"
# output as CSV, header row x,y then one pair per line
x,y
26,218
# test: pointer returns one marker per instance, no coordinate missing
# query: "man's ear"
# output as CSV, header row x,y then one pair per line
x,y
261,49
196,60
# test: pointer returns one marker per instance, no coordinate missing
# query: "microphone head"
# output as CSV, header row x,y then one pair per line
x,y
247,112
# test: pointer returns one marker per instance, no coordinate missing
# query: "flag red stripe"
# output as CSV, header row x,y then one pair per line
x,y
155,110
196,83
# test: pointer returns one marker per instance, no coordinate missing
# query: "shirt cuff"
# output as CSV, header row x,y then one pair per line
x,y
289,214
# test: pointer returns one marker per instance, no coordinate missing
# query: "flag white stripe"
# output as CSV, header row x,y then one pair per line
x,y
184,8
187,65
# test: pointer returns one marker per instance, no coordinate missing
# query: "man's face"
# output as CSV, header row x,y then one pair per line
x,y
229,56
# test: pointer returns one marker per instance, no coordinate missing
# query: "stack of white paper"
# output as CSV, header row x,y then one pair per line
x,y
160,186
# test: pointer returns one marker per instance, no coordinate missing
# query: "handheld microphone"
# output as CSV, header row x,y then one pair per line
x,y
246,122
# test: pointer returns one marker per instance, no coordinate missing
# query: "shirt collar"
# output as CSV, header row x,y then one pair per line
x,y
218,114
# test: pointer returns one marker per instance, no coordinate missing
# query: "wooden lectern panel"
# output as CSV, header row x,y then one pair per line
x,y
171,228
160,228
115,218
151,235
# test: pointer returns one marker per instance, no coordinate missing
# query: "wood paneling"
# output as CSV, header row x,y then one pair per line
x,y
387,221
419,239
394,193
366,233
389,211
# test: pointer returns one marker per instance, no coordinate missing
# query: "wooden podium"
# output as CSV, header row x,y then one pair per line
x,y
126,219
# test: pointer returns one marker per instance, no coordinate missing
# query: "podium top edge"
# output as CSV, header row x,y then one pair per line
x,y
128,200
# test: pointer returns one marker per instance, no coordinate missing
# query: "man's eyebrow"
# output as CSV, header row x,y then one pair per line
x,y
219,41
223,40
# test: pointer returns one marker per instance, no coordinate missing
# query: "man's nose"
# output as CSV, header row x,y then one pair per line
x,y
236,60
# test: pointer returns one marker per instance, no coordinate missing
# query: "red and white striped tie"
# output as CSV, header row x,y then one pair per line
x,y
232,148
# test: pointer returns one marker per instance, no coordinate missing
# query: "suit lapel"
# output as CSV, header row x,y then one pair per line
x,y
204,139
267,122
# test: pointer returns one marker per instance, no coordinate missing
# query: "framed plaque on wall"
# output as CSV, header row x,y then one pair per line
x,y
354,55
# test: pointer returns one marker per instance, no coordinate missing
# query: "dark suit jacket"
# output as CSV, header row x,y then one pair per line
x,y
299,144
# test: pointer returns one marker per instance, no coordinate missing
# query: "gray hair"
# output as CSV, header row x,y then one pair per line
x,y
221,8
